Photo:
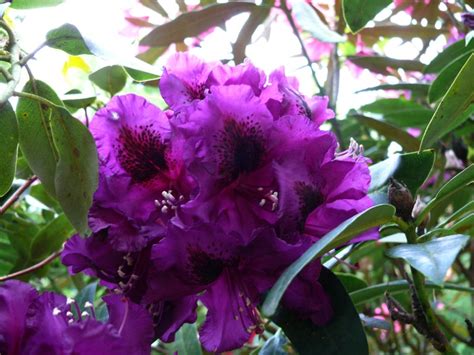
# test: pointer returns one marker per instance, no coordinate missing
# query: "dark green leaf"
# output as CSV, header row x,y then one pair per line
x,y
432,258
412,169
67,38
310,22
379,64
77,169
78,100
448,55
347,230
391,132
441,84
400,112
342,335
358,12
39,193
274,345
33,4
186,341
454,108
8,255
34,132
420,89
50,238
140,76
8,147
87,294
193,23
351,283
111,79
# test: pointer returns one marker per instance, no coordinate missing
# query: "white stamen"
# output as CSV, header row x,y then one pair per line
x,y
114,115
84,314
70,321
88,305
274,206
164,209
56,311
157,203
121,273
260,189
262,202
164,194
70,301
69,314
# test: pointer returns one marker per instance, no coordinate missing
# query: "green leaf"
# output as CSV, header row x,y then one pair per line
x,y
8,255
78,100
448,55
347,230
39,193
111,79
401,112
358,12
351,283
186,340
454,108
310,22
50,238
34,132
8,147
404,32
139,75
155,6
432,258
391,132
375,323
33,4
441,84
87,294
191,24
365,295
379,64
412,169
343,334
76,175
420,89
68,39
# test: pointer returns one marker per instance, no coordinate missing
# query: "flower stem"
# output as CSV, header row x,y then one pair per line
x,y
17,194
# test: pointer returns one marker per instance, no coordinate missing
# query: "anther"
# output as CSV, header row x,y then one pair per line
x,y
70,301
164,209
69,314
262,202
70,321
121,273
84,314
56,311
157,203
88,305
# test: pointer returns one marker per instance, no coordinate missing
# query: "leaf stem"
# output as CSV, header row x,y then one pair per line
x,y
13,198
33,267
40,99
29,56
15,71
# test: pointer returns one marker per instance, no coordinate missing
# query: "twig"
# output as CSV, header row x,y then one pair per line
x,y
40,99
27,57
32,268
13,198
287,12
14,50
451,331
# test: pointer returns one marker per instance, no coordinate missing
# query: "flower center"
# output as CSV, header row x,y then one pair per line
x,y
141,153
309,198
204,267
240,148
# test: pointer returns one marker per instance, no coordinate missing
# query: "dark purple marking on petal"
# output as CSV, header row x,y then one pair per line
x,y
240,147
141,153
309,198
204,267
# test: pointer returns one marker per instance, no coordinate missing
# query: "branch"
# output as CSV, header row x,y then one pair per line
x,y
14,50
13,198
287,12
32,268
40,99
27,57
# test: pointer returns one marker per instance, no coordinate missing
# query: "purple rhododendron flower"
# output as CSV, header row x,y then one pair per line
x,y
213,199
46,324
468,20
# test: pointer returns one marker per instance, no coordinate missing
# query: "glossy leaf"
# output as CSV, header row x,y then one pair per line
x,y
186,340
78,100
67,38
379,64
77,169
365,295
310,22
139,75
193,23
412,169
111,79
358,12
448,55
8,147
420,89
400,112
432,258
274,345
33,4
50,238
347,230
34,132
391,132
342,335
454,108
350,282
441,84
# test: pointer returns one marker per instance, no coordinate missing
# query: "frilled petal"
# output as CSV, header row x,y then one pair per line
x,y
226,328
132,322
320,111
131,136
169,316
184,80
15,299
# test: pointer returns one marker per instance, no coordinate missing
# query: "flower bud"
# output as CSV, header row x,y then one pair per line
x,y
401,198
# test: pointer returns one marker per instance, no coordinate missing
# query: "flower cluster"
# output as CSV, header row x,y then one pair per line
x,y
210,200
